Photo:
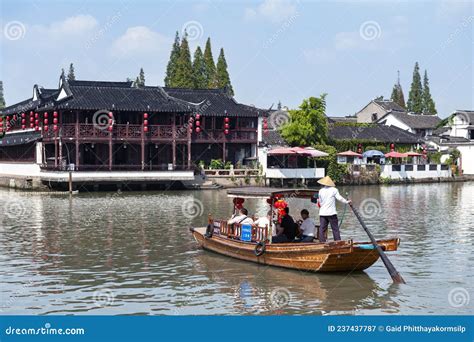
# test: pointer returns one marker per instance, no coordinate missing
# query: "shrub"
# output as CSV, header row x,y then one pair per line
x,y
216,164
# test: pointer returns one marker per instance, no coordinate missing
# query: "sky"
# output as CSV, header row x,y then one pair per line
x,y
276,50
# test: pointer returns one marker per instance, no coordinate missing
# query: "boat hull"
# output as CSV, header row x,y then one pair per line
x,y
338,256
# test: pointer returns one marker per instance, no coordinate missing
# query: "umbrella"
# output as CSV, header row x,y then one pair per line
x,y
350,154
373,153
394,154
304,151
414,154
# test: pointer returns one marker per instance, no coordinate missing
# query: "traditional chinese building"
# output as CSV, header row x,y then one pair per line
x,y
94,126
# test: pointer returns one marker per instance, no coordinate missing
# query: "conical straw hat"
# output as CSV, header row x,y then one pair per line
x,y
327,181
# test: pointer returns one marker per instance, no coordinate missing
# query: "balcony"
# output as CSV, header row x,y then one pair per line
x,y
164,133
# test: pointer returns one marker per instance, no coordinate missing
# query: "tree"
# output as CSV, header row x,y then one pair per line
x,y
223,79
307,125
184,70
141,78
415,97
70,75
199,70
397,93
173,63
428,103
137,82
2,98
210,66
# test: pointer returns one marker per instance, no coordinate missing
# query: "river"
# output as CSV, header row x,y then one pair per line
x,y
132,253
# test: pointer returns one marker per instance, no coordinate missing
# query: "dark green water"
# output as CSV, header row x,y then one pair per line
x,y
132,253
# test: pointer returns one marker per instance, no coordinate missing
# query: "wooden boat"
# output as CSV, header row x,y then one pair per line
x,y
334,256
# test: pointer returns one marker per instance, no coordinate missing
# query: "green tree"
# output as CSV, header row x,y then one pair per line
x,y
397,93
223,78
2,98
415,97
71,75
173,63
210,66
141,78
307,125
184,70
428,103
199,70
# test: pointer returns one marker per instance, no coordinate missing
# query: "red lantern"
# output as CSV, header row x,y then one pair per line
x,y
36,115
1,118
23,121
226,126
110,128
198,116
8,118
198,129
45,115
145,129
111,122
145,122
45,128
1,124
392,147
191,130
226,119
198,123
55,128
45,121
226,131
145,115
37,122
55,114
37,128
23,115
32,125
23,126
111,115
55,121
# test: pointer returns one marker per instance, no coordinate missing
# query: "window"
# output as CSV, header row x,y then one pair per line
x,y
374,117
471,134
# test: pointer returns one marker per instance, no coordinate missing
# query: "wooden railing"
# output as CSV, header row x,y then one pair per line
x,y
234,231
105,167
155,132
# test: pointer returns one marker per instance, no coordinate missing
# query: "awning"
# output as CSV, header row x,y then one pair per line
x,y
414,154
373,153
395,154
349,154
303,151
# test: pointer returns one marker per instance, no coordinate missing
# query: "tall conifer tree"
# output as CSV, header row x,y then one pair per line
x,y
223,79
199,70
173,63
397,93
415,97
141,78
210,66
2,98
184,70
71,76
428,103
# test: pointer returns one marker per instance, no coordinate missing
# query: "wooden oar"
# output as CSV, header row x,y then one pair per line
x,y
396,277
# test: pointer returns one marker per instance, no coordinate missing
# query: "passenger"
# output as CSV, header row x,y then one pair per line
x,y
327,208
240,218
306,227
264,221
288,228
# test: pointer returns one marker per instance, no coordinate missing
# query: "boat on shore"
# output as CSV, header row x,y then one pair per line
x,y
330,256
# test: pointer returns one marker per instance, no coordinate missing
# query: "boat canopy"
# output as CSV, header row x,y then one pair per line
x,y
261,192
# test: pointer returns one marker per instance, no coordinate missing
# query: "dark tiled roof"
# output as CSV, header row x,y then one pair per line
x,y
469,114
446,139
19,138
416,121
20,107
377,133
89,95
273,138
126,84
333,119
214,102
390,105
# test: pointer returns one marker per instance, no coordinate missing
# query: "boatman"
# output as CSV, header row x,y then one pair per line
x,y
327,208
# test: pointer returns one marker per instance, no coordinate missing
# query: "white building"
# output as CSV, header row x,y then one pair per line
x,y
422,125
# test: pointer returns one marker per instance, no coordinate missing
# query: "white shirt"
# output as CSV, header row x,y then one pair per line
x,y
241,219
263,222
307,227
327,200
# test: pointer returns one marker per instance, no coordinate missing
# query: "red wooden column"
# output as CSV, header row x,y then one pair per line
x,y
60,143
55,146
111,130
142,143
77,140
174,141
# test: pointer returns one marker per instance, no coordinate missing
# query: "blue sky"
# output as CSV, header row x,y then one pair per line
x,y
276,50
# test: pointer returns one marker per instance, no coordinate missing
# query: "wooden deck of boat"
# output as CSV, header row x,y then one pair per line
x,y
336,256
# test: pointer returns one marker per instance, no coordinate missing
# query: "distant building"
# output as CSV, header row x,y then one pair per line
x,y
421,125
376,109
377,133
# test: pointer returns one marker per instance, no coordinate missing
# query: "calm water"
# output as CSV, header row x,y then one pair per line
x,y
132,253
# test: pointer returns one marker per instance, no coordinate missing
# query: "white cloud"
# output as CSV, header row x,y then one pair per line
x,y
318,56
140,39
72,26
273,10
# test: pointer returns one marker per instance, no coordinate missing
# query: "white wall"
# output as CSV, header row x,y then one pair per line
x,y
467,158
308,173
387,172
20,169
390,120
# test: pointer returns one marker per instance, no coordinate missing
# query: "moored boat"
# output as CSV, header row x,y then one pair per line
x,y
334,256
